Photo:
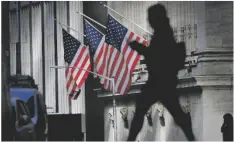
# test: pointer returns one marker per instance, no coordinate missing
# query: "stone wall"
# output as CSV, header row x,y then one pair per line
x,y
219,24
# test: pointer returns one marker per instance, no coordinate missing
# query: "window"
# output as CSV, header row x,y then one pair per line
x,y
25,108
31,106
21,109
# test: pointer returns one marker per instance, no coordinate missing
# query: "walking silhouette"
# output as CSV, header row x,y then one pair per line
x,y
164,58
227,127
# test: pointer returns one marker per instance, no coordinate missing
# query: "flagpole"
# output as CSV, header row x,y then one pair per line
x,y
113,93
69,27
60,67
125,18
114,110
91,19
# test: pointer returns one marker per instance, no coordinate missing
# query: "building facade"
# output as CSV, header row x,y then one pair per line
x,y
205,84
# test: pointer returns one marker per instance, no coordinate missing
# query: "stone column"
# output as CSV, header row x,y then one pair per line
x,y
201,25
214,64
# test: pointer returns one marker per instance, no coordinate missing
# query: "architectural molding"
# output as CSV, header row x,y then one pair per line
x,y
188,84
215,55
205,82
215,50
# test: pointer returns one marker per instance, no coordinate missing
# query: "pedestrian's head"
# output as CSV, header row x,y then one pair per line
x,y
157,16
228,118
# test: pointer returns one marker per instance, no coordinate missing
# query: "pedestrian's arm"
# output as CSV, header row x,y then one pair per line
x,y
223,128
140,48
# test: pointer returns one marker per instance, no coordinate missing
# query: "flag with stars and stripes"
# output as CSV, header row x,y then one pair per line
x,y
108,60
76,55
118,36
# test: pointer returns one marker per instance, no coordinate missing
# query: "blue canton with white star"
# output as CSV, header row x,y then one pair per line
x,y
93,37
115,33
71,46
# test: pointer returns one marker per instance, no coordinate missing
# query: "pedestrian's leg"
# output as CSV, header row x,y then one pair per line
x,y
142,106
181,118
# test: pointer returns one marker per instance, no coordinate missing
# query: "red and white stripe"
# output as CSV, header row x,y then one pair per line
x,y
110,63
131,57
76,77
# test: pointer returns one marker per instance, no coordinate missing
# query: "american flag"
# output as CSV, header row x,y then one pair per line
x,y
76,55
118,36
108,60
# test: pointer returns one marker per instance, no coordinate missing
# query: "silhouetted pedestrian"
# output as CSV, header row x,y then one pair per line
x,y
164,58
227,127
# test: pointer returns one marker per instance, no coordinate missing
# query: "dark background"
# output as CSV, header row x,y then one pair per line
x,y
65,127
6,109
